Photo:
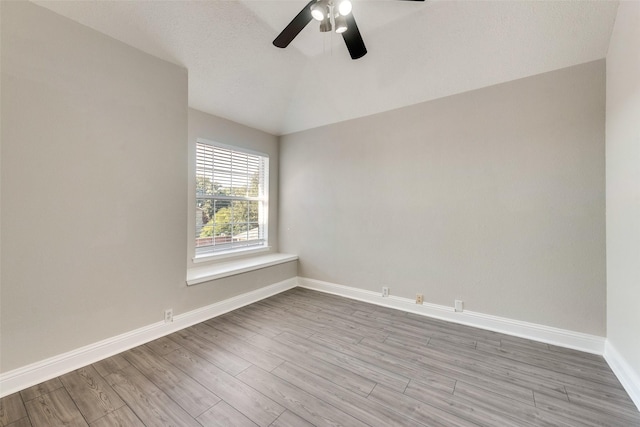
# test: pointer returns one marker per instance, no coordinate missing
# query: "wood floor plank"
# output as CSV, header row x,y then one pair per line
x,y
11,409
510,408
337,321
524,342
346,305
269,305
230,328
315,325
302,355
583,359
620,397
338,334
428,369
238,347
435,384
416,410
184,390
289,419
331,311
478,354
459,407
294,399
341,398
40,389
418,333
613,407
54,409
149,403
111,365
162,346
320,323
483,335
580,414
415,327
381,315
555,375
572,352
601,376
293,300
429,366
517,373
254,324
91,393
289,301
338,302
22,422
463,364
254,405
371,374
277,322
215,354
434,380
122,417
224,415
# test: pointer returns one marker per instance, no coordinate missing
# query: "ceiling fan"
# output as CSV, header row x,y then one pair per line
x,y
331,14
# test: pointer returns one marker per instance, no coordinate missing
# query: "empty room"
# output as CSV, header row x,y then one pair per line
x,y
319,213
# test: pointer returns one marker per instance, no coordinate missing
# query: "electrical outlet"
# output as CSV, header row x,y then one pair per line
x,y
385,291
459,305
419,298
168,315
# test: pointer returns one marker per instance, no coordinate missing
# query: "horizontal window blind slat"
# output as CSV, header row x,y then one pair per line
x,y
239,198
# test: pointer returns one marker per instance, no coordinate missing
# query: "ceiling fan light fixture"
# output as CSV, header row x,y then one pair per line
x,y
344,7
325,25
320,10
330,13
341,24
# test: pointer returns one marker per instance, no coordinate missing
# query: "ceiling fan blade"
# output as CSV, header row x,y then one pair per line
x,y
295,26
353,39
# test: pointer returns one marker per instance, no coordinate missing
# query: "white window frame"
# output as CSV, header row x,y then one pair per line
x,y
235,248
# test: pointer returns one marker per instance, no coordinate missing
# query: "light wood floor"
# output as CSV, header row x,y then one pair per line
x,y
304,358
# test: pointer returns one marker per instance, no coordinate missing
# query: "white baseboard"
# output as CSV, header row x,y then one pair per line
x,y
35,373
560,337
629,378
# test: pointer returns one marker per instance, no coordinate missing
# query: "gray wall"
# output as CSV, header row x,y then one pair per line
x,y
623,186
494,196
94,189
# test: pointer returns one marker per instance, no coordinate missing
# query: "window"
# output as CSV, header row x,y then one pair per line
x,y
231,199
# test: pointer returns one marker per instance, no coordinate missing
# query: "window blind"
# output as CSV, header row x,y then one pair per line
x,y
231,199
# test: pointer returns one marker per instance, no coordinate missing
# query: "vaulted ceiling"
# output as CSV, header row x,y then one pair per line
x,y
417,51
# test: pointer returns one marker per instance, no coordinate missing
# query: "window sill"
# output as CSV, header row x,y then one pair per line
x,y
224,269
230,254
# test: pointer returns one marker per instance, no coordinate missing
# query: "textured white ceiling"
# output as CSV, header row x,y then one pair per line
x,y
417,51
